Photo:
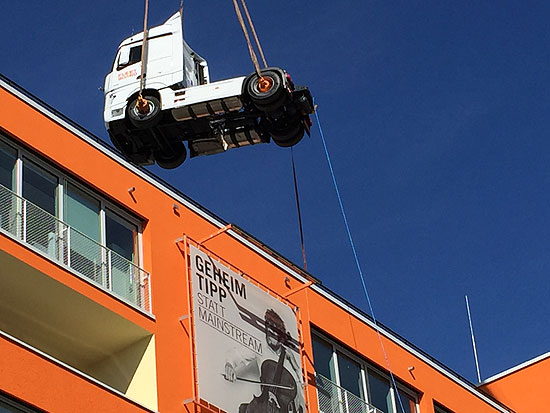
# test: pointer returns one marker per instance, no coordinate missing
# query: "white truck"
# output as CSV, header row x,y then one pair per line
x,y
183,105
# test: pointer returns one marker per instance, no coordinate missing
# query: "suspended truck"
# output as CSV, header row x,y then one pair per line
x,y
179,103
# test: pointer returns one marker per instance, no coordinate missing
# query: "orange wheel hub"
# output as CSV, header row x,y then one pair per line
x,y
265,83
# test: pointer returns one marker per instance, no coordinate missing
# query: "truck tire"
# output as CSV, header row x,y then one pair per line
x,y
271,96
147,120
173,159
288,136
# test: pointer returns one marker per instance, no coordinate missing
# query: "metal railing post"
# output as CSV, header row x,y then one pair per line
x,y
24,220
109,280
68,229
150,303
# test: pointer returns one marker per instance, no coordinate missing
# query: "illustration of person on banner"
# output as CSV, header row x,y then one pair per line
x,y
277,375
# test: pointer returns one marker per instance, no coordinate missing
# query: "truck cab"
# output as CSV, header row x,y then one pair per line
x,y
182,105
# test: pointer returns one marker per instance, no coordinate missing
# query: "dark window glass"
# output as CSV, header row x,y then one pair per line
x,y
82,212
379,392
8,204
322,356
135,56
350,375
409,404
7,165
121,236
39,187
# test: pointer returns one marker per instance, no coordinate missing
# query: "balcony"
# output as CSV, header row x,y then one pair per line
x,y
34,227
335,399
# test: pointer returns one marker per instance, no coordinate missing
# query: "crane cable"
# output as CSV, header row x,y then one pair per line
x,y
358,265
252,28
142,104
298,209
254,59
247,38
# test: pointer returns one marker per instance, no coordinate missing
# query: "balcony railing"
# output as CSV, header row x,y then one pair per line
x,y
65,245
335,399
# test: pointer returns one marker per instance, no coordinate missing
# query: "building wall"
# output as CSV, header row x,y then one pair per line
x,y
166,218
524,389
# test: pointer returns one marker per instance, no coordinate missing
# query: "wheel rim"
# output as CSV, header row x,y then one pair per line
x,y
264,84
140,115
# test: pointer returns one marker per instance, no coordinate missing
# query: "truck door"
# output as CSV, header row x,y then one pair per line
x,y
126,68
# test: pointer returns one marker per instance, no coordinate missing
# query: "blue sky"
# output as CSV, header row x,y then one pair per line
x,y
436,118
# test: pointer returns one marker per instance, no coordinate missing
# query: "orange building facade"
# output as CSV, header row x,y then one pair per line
x,y
120,294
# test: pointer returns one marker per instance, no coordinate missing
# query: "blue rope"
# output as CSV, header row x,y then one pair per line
x,y
356,258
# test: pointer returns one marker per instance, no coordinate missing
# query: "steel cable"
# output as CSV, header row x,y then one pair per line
x,y
358,265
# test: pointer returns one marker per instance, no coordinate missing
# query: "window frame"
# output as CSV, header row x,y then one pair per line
x,y
365,366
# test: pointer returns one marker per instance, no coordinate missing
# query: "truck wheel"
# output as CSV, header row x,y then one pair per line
x,y
266,91
144,120
289,136
173,159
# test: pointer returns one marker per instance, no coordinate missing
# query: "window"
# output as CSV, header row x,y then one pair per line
x,y
322,354
7,166
82,213
346,383
40,226
40,187
350,375
379,392
409,404
121,238
8,208
134,56
70,223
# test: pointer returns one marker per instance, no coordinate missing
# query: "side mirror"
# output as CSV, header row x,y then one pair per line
x,y
124,57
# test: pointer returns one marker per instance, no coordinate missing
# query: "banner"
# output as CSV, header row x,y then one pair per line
x,y
248,354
